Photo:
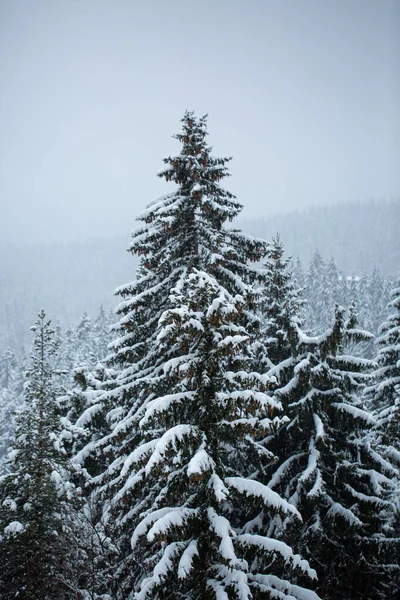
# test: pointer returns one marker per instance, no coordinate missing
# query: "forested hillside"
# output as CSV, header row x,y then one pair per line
x,y
359,237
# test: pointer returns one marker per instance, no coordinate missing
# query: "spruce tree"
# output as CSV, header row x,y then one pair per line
x,y
327,468
281,304
39,554
317,307
385,393
182,490
384,397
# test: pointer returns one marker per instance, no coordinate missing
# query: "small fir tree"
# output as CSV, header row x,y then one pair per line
x,y
39,553
281,304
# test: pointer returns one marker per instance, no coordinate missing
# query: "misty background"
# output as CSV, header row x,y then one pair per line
x,y
304,94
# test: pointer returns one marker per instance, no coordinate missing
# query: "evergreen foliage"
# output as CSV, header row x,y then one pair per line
x,y
182,491
11,393
327,468
281,304
230,439
384,397
39,552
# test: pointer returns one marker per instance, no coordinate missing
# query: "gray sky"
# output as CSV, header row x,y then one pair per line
x,y
304,94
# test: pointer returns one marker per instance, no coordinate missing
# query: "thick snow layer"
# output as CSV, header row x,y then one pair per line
x,y
14,527
137,455
319,427
170,438
223,530
258,490
276,546
280,472
345,513
147,522
282,589
82,455
163,404
165,564
200,463
87,416
186,562
174,518
355,412
218,487
312,466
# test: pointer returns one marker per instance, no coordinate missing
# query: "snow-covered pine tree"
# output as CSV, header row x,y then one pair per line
x,y
84,420
384,394
39,554
280,305
384,397
317,307
11,393
101,332
326,467
184,499
85,345
334,291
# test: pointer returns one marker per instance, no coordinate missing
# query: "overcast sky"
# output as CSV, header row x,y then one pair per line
x,y
304,94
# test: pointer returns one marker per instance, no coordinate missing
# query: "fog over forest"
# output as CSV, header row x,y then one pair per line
x,y
358,236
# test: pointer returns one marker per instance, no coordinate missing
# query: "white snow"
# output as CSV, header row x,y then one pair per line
x,y
273,546
200,463
282,589
345,513
319,427
174,518
355,412
218,487
186,562
170,437
163,403
257,489
147,521
14,527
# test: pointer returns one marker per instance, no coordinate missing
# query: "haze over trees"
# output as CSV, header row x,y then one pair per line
x,y
236,436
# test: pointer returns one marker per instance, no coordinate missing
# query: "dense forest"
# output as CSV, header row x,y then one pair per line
x,y
230,431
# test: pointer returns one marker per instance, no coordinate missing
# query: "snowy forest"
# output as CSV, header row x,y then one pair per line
x,y
229,431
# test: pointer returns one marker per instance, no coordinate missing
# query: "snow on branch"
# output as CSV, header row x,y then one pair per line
x,y
258,490
275,546
163,404
200,463
161,570
185,565
281,589
170,438
338,510
174,518
356,413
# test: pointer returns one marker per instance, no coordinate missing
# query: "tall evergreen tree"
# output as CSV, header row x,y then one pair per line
x,y
38,543
184,499
327,469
